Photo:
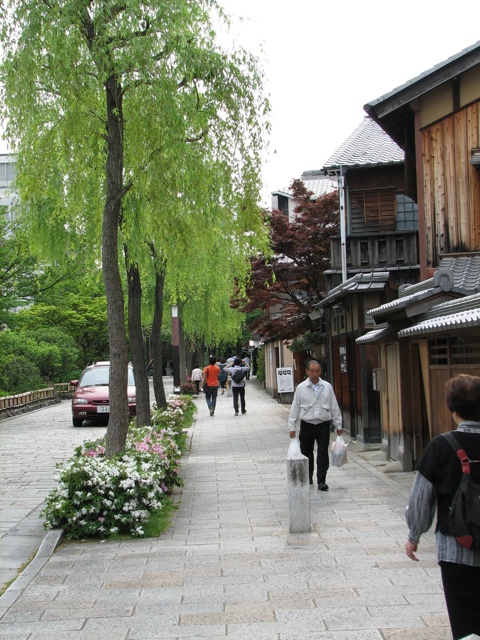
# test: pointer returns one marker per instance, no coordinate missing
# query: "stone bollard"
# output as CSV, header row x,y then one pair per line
x,y
229,387
298,494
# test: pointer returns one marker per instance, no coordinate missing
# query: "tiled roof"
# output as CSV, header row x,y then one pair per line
x,y
367,145
377,334
405,301
465,271
358,284
453,306
314,181
423,75
462,320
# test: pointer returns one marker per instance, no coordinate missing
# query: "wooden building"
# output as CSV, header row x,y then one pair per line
x,y
432,331
381,254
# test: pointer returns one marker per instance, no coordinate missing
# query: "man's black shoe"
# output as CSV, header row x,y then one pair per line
x,y
323,487
244,411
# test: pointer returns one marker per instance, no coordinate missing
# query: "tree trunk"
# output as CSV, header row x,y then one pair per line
x,y
183,351
157,355
136,342
201,352
118,419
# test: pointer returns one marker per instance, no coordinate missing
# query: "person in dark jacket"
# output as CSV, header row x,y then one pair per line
x,y
439,473
238,388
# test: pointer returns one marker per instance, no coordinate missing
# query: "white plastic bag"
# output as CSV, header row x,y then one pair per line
x,y
339,452
293,448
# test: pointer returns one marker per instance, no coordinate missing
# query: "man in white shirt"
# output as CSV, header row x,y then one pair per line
x,y
315,404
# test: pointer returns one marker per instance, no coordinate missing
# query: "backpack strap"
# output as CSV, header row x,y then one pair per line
x,y
464,459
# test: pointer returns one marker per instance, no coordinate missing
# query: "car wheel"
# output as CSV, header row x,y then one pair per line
x,y
77,422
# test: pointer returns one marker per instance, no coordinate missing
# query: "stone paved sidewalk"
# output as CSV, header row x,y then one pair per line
x,y
229,567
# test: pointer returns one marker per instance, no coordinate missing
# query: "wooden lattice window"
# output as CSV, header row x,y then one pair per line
x,y
372,211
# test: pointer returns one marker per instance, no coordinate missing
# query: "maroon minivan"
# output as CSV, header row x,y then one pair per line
x,y
91,401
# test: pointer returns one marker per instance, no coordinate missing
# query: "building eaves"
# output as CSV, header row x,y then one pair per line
x,y
426,81
376,335
453,306
368,145
462,320
360,283
406,301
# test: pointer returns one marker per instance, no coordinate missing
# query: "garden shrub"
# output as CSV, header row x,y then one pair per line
x,y
18,374
104,497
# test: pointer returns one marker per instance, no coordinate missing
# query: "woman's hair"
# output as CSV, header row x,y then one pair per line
x,y
212,360
463,396
222,360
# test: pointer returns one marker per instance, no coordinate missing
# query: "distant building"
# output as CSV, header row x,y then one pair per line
x,y
7,180
315,181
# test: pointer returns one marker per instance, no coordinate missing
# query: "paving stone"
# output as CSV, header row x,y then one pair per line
x,y
228,565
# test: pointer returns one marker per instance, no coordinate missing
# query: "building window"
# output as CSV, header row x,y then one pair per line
x,y
407,213
382,251
438,351
364,252
465,350
372,210
399,251
283,204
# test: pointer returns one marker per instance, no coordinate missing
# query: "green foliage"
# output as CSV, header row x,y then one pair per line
x,y
307,342
194,123
104,497
261,364
18,374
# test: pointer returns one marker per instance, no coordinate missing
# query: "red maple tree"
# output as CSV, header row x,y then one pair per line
x,y
286,286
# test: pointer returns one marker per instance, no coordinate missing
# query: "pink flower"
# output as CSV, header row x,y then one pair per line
x,y
101,519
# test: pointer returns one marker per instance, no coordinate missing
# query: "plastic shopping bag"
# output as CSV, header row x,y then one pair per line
x,y
293,448
339,452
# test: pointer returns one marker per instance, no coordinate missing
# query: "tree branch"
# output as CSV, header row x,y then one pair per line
x,y
200,137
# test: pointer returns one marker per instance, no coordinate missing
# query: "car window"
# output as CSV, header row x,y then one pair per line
x,y
94,377
100,376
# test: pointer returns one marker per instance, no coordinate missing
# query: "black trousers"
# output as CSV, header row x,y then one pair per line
x,y
461,585
319,433
238,391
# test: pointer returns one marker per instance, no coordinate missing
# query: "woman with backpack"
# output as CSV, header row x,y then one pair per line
x,y
450,460
238,372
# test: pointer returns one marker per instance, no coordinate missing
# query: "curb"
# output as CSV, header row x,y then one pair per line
x,y
52,541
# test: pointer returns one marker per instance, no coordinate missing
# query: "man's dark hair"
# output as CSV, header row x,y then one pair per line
x,y
212,360
463,396
238,362
311,362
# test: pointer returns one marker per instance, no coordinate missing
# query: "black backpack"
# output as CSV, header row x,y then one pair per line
x,y
464,516
238,376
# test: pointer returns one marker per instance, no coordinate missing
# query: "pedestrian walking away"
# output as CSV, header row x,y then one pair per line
x,y
315,404
439,474
222,378
248,363
197,376
238,383
210,376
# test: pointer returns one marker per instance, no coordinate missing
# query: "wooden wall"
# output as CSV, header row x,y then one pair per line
x,y
451,184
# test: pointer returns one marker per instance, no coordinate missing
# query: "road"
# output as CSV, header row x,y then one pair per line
x,y
30,447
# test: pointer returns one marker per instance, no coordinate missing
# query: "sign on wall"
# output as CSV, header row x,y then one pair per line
x,y
285,380
342,350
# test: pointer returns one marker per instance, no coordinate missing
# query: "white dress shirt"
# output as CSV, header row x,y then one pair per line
x,y
315,406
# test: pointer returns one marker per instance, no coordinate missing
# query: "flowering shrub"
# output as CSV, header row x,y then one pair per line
x,y
188,388
104,497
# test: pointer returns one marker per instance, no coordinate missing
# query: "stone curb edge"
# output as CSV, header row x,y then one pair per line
x,y
52,541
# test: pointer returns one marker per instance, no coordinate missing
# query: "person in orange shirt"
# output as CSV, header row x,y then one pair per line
x,y
210,376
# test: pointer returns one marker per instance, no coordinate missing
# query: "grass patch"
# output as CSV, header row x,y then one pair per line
x,y
22,568
159,521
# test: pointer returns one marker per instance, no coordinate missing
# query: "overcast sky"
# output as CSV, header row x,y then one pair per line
x,y
324,61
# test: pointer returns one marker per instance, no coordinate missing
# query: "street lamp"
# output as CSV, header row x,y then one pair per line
x,y
176,348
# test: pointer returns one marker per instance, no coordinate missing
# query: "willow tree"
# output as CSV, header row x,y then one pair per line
x,y
101,98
